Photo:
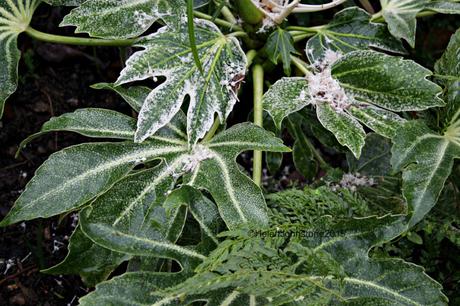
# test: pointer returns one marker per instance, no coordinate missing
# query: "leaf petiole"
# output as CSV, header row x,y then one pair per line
x,y
258,81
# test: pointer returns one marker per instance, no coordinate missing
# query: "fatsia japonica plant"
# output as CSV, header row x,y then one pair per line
x,y
162,190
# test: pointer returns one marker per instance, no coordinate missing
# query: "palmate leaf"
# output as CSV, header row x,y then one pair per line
x,y
167,53
15,16
426,159
117,19
351,30
74,176
361,86
280,45
93,262
425,156
401,17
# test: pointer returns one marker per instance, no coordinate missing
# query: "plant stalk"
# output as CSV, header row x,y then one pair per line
x,y
258,81
249,12
218,21
80,41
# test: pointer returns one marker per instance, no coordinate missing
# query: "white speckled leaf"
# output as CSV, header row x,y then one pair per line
x,y
238,199
381,121
92,262
130,218
90,122
65,2
387,81
351,30
75,175
363,86
401,17
285,97
117,19
426,159
346,129
15,16
167,53
447,69
444,7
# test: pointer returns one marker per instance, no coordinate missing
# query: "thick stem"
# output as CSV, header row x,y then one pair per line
x,y
81,41
250,55
258,81
227,14
249,12
300,64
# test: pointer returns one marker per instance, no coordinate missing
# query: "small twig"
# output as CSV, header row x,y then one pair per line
x,y
367,6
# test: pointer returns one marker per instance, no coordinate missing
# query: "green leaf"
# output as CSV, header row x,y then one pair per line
x,y
375,157
133,95
129,218
131,289
92,262
167,53
390,82
302,154
286,96
316,270
443,7
75,175
426,159
401,17
202,209
91,122
113,19
65,2
15,17
447,71
346,129
239,200
280,45
362,86
351,30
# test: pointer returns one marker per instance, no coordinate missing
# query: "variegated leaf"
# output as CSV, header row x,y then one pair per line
x,y
426,159
239,200
75,175
15,16
91,122
444,6
130,218
351,30
346,129
447,71
362,86
116,19
401,17
167,53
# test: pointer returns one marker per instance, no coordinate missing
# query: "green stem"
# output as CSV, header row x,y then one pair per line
x,y
81,41
218,21
250,55
249,12
212,131
300,37
300,64
258,81
228,15
306,29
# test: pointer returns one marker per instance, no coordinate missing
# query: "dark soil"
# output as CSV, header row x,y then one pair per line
x,y
55,80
